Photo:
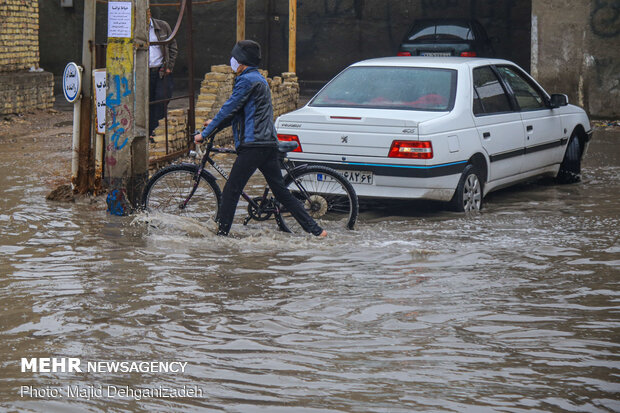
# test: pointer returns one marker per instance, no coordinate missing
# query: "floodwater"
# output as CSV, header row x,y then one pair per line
x,y
514,310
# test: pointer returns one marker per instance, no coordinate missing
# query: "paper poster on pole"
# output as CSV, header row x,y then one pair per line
x,y
99,78
119,19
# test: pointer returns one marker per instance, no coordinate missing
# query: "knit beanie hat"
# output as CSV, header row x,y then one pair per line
x,y
247,52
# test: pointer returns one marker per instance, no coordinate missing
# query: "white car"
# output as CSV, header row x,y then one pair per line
x,y
448,129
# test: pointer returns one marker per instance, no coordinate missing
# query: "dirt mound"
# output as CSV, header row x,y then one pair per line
x,y
62,193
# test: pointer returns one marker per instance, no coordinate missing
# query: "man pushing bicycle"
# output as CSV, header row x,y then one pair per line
x,y
250,112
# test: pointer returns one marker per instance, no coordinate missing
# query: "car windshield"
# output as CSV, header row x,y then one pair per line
x,y
432,32
408,88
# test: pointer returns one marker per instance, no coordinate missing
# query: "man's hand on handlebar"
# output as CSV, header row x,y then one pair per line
x,y
198,137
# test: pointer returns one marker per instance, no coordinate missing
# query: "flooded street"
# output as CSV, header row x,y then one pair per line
x,y
418,309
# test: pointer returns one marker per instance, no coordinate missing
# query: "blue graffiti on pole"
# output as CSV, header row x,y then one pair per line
x,y
118,132
121,115
117,203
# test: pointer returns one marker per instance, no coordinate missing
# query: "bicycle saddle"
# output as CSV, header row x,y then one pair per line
x,y
287,146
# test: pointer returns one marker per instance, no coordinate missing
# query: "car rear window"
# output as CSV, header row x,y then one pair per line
x,y
408,88
432,32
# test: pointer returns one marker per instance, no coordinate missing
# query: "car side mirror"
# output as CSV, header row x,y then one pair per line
x,y
557,100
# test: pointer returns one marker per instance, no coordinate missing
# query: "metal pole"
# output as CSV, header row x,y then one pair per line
x,y
240,20
292,36
190,68
88,47
75,144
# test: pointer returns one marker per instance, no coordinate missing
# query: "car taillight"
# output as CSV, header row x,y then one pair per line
x,y
288,138
403,54
411,149
468,54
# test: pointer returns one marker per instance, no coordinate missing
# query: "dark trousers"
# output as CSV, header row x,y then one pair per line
x,y
266,160
159,88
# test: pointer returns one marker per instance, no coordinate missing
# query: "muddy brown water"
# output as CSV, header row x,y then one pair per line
x,y
419,309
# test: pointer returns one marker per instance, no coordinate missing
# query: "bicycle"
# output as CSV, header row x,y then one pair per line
x,y
188,189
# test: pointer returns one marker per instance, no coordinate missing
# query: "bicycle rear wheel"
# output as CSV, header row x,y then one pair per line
x,y
326,195
168,189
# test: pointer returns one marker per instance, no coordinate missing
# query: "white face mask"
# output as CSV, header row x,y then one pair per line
x,y
234,64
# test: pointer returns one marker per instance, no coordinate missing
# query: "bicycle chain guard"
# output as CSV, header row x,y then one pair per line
x,y
263,212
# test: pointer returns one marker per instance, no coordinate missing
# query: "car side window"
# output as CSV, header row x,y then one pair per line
x,y
489,95
527,96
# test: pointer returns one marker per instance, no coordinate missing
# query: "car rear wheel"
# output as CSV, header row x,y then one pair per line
x,y
570,168
468,195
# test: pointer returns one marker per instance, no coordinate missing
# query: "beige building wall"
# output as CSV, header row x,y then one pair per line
x,y
576,50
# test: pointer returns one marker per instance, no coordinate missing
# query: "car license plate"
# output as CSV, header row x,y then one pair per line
x,y
355,177
436,54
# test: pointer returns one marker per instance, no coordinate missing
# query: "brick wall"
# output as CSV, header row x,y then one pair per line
x,y
19,35
215,89
24,91
23,86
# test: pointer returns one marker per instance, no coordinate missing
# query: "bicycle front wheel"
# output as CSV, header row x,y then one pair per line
x,y
167,191
326,195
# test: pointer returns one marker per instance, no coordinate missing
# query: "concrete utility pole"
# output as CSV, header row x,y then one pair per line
x,y
292,35
126,161
82,164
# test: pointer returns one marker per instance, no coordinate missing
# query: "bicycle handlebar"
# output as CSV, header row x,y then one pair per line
x,y
208,141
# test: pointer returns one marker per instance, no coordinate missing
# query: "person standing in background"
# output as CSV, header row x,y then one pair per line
x,y
161,64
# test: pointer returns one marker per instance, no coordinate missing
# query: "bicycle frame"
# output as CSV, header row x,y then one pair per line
x,y
318,190
261,207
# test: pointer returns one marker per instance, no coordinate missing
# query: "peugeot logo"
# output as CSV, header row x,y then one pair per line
x,y
344,139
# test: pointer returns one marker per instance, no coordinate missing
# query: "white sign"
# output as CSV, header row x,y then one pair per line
x,y
72,82
119,19
99,78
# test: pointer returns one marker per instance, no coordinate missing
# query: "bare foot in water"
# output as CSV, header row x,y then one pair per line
x,y
322,234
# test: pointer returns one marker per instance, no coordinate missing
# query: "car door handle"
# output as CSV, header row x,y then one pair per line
x,y
486,135
529,128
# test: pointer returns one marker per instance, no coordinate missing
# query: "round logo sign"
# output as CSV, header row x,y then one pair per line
x,y
72,82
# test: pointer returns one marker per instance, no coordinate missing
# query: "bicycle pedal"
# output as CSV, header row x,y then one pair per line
x,y
247,219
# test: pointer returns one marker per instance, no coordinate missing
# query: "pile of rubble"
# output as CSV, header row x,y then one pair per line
x,y
177,134
606,124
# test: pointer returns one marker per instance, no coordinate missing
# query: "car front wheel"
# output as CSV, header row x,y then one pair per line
x,y
570,168
468,195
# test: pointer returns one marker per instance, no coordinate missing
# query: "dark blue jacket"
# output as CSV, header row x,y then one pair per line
x,y
249,111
